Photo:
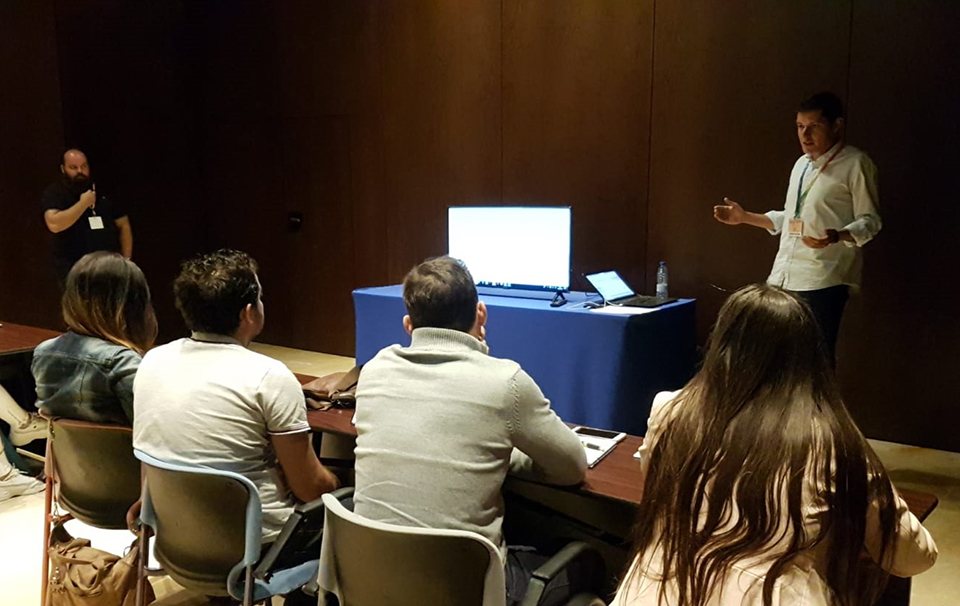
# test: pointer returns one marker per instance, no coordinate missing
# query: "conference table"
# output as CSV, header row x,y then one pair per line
x,y
598,367
602,509
19,339
16,351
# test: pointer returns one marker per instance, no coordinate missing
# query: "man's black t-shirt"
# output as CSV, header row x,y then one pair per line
x,y
80,239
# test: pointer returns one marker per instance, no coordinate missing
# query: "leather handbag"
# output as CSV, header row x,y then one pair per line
x,y
81,575
337,390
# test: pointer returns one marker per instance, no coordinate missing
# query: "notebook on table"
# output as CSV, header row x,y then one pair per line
x,y
597,443
615,291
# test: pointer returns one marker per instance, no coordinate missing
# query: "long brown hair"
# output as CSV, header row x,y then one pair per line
x,y
760,419
107,296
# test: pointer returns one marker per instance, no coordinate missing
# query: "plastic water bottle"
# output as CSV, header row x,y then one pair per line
x,y
662,280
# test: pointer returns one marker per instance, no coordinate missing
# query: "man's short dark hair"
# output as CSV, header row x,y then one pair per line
x,y
828,104
213,289
440,293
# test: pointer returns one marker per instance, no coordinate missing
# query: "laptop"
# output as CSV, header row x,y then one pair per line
x,y
616,292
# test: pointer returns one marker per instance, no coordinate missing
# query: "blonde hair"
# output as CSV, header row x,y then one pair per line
x,y
107,296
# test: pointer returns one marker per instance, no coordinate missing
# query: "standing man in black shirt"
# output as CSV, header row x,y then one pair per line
x,y
80,221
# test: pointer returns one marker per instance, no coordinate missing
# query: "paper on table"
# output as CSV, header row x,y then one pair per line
x,y
596,448
616,310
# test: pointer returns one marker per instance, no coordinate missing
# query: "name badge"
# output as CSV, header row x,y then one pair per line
x,y
795,227
96,222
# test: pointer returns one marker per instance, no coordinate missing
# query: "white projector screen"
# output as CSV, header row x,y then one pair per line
x,y
518,247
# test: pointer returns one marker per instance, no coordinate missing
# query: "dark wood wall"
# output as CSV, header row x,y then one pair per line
x,y
371,118
901,343
367,119
31,134
726,77
128,88
115,79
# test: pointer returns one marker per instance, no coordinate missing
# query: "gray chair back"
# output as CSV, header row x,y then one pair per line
x,y
200,521
96,472
367,563
207,524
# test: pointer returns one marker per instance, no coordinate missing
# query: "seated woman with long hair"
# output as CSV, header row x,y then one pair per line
x,y
87,373
759,488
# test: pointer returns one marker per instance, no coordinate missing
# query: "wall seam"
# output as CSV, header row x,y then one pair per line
x,y
846,95
649,203
502,130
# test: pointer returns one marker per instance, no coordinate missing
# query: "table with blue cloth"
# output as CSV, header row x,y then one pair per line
x,y
598,369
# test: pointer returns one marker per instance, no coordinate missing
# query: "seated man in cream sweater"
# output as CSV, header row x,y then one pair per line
x,y
440,423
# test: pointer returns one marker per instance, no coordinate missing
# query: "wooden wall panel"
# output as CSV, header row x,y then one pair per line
x,y
242,153
31,135
275,144
439,78
291,99
900,347
374,118
576,102
215,120
330,70
726,83
129,86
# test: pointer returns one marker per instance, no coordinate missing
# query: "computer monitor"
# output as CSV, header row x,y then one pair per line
x,y
513,247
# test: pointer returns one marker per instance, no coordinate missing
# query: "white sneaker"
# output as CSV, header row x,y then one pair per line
x,y
15,484
34,429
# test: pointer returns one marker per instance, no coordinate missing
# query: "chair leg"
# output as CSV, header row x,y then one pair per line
x,y
142,557
47,520
248,587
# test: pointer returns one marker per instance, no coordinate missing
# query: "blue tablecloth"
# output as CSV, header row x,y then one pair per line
x,y
597,369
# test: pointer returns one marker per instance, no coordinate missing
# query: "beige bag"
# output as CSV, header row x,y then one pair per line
x,y
81,575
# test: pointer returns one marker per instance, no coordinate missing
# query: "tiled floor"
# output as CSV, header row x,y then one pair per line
x,y
21,519
938,472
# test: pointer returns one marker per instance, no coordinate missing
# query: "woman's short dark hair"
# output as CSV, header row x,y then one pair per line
x,y
440,293
828,104
213,289
106,296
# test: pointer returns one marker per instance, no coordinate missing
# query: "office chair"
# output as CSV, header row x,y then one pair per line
x,y
91,474
206,524
369,563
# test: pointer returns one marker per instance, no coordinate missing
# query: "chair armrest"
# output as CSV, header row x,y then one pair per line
x,y
343,493
339,494
576,552
302,528
563,558
308,507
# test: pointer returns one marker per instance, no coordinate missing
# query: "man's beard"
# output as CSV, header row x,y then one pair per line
x,y
78,184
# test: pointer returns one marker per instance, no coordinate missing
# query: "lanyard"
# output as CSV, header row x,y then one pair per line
x,y
801,193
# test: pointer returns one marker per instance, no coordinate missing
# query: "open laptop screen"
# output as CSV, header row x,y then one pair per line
x,y
610,285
